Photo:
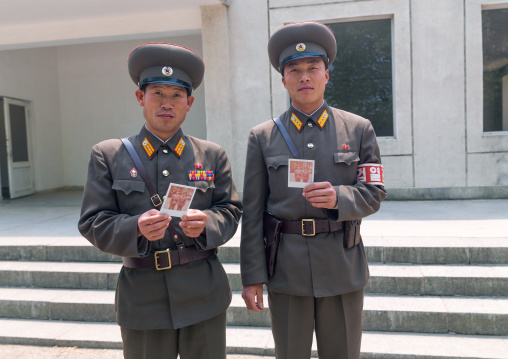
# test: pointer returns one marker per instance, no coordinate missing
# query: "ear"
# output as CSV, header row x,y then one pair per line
x,y
327,75
284,82
190,101
140,96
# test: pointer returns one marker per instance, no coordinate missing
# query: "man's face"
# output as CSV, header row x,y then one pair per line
x,y
305,80
164,108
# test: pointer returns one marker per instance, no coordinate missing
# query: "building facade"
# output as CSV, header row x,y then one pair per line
x,y
431,75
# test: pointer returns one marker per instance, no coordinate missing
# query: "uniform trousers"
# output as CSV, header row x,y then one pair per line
x,y
203,340
337,321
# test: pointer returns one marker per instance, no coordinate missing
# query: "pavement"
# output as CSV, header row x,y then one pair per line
x,y
57,214
35,352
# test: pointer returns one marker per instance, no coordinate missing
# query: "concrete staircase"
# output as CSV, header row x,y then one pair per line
x,y
428,296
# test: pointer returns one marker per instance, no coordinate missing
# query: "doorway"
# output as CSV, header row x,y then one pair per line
x,y
16,168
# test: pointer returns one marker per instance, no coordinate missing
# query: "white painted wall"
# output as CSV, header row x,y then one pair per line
x,y
98,102
32,75
438,93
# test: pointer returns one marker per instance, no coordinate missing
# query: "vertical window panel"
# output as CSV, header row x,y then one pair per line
x,y
18,133
361,76
495,69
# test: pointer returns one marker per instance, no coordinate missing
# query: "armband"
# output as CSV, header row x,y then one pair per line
x,y
371,173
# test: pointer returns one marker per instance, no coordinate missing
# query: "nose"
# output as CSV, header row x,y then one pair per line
x,y
304,77
166,103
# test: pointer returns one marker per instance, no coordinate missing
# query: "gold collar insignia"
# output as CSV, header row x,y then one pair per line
x,y
148,147
296,121
179,147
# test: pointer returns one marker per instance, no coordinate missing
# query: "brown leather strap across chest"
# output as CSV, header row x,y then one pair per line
x,y
311,227
168,258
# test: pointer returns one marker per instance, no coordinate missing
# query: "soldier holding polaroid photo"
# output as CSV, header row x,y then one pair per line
x,y
172,292
317,273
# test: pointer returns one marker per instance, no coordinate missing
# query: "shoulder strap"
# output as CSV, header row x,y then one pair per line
x,y
156,200
287,138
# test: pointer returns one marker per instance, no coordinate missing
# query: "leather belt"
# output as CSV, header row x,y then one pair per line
x,y
311,227
168,258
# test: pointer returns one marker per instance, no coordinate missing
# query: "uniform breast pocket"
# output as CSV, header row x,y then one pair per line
x,y
129,193
346,164
203,196
277,168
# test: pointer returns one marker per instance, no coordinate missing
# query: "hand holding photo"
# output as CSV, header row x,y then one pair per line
x,y
178,200
301,173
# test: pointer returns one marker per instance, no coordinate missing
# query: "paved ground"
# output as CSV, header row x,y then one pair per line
x,y
57,214
33,352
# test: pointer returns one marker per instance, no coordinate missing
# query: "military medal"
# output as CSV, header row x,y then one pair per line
x,y
134,173
345,147
201,175
179,147
322,120
296,121
148,147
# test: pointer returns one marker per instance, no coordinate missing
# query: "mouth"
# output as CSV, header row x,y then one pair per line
x,y
305,88
166,115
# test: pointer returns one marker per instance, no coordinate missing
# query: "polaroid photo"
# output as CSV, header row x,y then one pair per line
x,y
178,200
301,173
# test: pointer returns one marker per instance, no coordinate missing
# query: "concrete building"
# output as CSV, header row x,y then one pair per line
x,y
64,85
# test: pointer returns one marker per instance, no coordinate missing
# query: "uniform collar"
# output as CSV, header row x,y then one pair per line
x,y
151,143
319,117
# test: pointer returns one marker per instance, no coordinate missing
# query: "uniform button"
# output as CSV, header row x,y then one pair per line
x,y
310,145
165,173
164,198
165,150
310,124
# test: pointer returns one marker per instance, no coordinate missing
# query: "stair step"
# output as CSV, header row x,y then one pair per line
x,y
417,250
467,315
59,274
409,279
259,341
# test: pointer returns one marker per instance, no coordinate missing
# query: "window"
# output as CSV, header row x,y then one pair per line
x,y
361,76
495,70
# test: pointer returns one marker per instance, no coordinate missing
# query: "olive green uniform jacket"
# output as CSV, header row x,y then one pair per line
x,y
316,266
112,202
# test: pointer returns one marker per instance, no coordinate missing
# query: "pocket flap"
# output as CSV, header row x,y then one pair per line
x,y
277,161
203,186
346,157
128,186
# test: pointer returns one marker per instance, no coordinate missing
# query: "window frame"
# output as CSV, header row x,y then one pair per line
x,y
477,140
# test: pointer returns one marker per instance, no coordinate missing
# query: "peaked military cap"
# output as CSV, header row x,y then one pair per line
x,y
299,40
167,64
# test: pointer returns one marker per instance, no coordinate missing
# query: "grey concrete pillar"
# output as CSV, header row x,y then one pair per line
x,y
217,76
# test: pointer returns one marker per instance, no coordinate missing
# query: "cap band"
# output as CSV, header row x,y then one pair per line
x,y
166,80
303,55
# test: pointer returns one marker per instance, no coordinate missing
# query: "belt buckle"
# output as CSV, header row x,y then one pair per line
x,y
313,228
157,259
156,200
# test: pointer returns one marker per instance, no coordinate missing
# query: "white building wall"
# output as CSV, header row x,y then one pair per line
x,y
438,93
32,75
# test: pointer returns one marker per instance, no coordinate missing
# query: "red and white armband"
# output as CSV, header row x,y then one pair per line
x,y
371,173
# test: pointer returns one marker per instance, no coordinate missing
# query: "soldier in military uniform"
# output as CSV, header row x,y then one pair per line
x,y
172,292
321,266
